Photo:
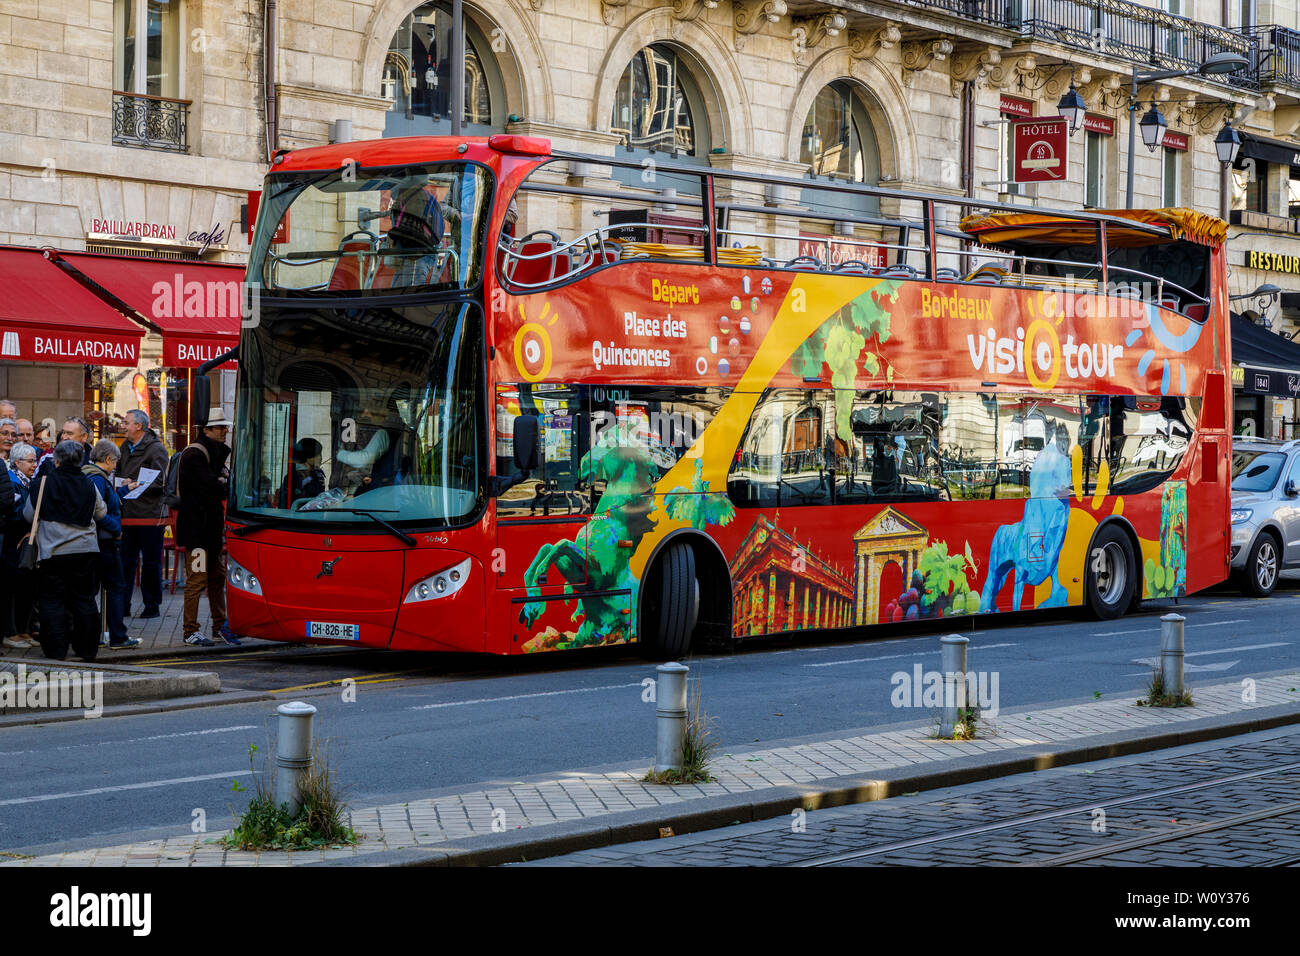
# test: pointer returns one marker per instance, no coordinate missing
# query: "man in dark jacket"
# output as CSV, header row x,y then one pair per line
x,y
200,528
104,457
142,544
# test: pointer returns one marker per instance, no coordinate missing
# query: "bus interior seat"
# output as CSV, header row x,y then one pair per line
x,y
984,278
944,274
900,270
1168,301
806,263
1196,311
348,267
852,267
532,265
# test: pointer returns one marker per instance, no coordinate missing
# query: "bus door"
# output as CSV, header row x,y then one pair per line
x,y
540,519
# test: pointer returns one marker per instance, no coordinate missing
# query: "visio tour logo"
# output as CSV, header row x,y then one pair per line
x,y
75,909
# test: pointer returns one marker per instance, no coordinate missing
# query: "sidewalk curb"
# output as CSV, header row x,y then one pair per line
x,y
217,699
705,813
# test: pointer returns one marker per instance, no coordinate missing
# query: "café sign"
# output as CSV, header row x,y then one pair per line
x,y
157,233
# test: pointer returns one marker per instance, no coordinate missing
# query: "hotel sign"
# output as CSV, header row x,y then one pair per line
x,y
1039,149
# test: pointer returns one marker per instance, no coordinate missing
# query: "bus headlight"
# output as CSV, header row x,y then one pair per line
x,y
443,584
1241,514
241,578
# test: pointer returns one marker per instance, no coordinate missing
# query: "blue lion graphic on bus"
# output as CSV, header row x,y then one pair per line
x,y
1032,546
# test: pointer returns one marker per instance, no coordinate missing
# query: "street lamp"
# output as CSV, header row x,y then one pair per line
x,y
1227,144
1154,124
1072,107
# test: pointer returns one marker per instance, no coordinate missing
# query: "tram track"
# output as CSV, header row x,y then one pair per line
x,y
965,833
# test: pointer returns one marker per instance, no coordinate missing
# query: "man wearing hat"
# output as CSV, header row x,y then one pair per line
x,y
200,527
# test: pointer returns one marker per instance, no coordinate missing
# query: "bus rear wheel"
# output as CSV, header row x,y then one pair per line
x,y
671,604
1111,578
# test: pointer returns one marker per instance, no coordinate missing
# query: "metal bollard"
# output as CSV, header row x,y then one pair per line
x,y
1171,653
953,663
293,751
670,709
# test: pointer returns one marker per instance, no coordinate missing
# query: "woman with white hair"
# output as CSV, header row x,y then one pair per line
x,y
64,507
17,585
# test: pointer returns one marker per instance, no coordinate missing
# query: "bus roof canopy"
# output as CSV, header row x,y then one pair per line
x,y
1150,226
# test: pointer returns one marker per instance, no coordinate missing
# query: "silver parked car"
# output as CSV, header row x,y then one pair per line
x,y
1265,512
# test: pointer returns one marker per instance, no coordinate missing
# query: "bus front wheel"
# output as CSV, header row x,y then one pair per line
x,y
1111,579
671,605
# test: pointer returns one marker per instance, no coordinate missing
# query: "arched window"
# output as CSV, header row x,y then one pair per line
x,y
658,106
839,141
417,75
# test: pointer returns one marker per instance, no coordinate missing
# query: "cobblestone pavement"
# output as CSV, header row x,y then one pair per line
x,y
960,826
439,821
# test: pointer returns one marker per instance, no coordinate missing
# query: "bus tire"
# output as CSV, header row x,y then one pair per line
x,y
1111,574
673,604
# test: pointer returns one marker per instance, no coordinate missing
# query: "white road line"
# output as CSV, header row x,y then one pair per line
x,y
891,657
1222,650
546,693
39,798
1149,630
133,740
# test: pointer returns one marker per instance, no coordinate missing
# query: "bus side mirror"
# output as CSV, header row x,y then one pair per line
x,y
526,442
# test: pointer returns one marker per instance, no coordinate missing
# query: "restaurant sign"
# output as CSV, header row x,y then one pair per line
x,y
70,348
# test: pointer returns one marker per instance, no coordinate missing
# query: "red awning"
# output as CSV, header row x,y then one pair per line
x,y
197,305
47,316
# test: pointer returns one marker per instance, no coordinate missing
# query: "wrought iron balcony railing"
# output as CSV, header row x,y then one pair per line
x,y
151,122
1279,55
1122,30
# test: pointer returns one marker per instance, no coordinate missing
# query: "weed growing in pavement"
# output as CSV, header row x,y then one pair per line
x,y
967,726
1159,696
319,822
698,746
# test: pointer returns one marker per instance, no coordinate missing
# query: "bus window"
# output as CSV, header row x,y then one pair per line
x,y
639,433
1147,439
968,444
1037,432
781,459
892,450
557,487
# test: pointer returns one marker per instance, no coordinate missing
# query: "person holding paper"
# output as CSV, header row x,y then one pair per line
x,y
104,458
142,544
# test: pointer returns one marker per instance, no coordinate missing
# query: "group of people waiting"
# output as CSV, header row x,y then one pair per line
x,y
80,525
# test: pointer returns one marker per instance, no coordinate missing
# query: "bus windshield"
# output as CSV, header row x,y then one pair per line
x,y
365,231
376,413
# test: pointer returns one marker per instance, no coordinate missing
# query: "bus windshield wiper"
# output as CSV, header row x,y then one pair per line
x,y
406,538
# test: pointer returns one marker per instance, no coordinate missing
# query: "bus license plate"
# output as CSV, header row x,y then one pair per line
x,y
345,632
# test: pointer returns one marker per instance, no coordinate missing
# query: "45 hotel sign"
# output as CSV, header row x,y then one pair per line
x,y
1038,149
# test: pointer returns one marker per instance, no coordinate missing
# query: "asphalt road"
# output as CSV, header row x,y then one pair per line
x,y
457,722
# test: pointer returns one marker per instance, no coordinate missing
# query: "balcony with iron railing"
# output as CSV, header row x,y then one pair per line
x,y
151,122
1126,31
1279,56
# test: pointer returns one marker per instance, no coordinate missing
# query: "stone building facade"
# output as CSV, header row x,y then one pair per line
x,y
101,137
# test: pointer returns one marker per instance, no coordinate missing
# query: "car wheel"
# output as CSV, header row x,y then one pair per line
x,y
1111,577
1260,576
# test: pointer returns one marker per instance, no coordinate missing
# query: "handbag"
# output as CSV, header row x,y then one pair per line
x,y
27,556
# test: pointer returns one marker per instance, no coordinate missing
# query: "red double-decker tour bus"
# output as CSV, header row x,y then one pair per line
x,y
507,400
